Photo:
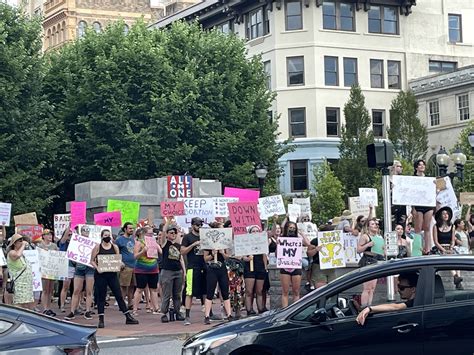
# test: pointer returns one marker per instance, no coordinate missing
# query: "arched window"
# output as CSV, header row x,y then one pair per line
x,y
50,38
81,29
59,33
55,37
63,29
126,29
97,27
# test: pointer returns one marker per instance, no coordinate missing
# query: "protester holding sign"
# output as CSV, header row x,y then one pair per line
x,y
404,243
319,277
108,279
63,244
48,285
126,245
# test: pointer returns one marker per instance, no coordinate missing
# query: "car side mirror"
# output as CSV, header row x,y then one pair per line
x,y
319,316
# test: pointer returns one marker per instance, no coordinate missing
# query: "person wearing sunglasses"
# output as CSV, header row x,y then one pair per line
x,y
407,290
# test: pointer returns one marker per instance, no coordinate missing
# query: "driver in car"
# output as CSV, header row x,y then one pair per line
x,y
406,287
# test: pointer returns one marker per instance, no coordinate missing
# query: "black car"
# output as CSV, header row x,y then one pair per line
x,y
27,332
441,320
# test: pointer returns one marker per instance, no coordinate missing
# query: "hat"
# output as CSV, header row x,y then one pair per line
x,y
196,220
14,238
336,220
172,227
441,210
346,214
46,231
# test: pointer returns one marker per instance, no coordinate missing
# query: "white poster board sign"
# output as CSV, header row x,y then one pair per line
x,y
310,231
350,249
196,207
447,197
368,196
289,253
80,249
391,244
413,191
3,260
294,211
215,238
251,244
61,223
305,203
270,206
332,254
32,257
220,205
5,213
357,208
53,264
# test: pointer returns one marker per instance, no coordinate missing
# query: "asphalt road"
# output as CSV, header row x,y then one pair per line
x,y
169,345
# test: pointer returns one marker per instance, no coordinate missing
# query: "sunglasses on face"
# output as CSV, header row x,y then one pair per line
x,y
198,225
403,287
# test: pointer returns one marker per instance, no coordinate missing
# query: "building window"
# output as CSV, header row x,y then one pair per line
x,y
338,16
455,28
225,27
332,122
394,77
331,77
267,67
257,23
383,19
378,119
299,175
376,73
437,66
81,29
97,27
350,71
295,69
294,15
297,119
463,107
434,113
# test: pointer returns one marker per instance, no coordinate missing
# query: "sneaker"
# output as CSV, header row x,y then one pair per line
x,y
62,310
215,317
187,321
207,320
70,316
88,315
164,319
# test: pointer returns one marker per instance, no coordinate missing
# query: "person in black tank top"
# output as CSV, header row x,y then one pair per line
x,y
470,225
443,232
110,279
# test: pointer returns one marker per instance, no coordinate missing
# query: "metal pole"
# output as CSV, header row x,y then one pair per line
x,y
387,218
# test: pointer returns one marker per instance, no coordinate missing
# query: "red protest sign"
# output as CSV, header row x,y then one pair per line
x,y
32,231
172,208
243,215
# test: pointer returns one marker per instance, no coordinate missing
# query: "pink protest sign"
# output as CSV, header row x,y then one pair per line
x,y
152,247
243,215
244,195
112,219
289,253
172,208
78,213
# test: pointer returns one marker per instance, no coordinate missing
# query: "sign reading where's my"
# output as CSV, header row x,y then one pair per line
x,y
215,238
289,253
180,186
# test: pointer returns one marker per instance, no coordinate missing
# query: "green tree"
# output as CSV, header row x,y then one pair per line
x,y
160,102
356,134
408,135
463,143
329,196
29,136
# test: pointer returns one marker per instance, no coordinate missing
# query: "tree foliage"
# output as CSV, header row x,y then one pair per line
x,y
408,135
356,134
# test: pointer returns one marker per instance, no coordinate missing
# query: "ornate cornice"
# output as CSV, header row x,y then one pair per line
x,y
444,81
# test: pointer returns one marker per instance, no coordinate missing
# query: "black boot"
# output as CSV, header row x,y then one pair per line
x,y
130,319
101,322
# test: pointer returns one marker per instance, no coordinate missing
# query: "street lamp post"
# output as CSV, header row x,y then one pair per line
x,y
458,158
261,172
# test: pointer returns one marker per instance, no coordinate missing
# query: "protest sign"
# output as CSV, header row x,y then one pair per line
x,y
80,249
294,211
332,253
467,198
350,249
130,210
5,213
202,207
413,191
447,197
391,244
243,215
180,186
172,208
3,260
34,232
440,184
310,231
417,245
251,244
78,213
27,218
305,204
61,223
244,195
289,253
92,231
152,247
109,262
53,264
270,206
357,208
220,205
112,219
378,247
215,238
33,259
368,196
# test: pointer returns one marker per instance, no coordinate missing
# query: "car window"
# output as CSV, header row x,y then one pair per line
x,y
306,313
4,326
453,285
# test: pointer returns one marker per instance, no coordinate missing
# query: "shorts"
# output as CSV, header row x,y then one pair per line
x,y
196,285
127,277
82,272
71,270
144,280
257,275
423,209
322,276
295,272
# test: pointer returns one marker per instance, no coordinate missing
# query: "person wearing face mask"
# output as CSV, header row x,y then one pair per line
x,y
110,279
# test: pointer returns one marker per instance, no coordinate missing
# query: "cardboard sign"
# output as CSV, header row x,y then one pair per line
x,y
413,191
215,238
447,197
251,244
244,195
53,264
80,249
467,198
93,232
61,223
368,196
34,232
32,258
220,205
172,208
27,218
391,244
152,247
180,186
440,184
350,249
130,210
109,262
270,206
357,208
78,213
112,219
289,253
305,204
332,254
202,207
5,213
243,215
294,211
